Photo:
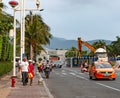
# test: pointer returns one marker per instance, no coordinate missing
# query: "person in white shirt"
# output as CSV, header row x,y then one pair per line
x,y
24,68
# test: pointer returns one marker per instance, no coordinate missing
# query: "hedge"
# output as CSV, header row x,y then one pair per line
x,y
5,67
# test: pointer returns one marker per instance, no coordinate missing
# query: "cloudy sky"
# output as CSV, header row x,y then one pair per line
x,y
88,19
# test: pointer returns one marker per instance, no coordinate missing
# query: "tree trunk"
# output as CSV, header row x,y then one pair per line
x,y
31,52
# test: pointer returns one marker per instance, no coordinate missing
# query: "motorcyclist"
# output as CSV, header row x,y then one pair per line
x,y
47,64
47,69
85,67
40,67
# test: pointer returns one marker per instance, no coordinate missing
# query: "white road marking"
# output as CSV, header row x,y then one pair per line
x,y
57,73
110,87
72,73
78,76
81,77
63,70
64,73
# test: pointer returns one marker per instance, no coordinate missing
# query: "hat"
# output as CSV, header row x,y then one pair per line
x,y
30,60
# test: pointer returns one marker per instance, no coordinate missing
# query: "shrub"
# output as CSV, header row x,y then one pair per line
x,y
5,67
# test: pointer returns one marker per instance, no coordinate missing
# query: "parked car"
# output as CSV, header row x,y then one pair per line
x,y
102,70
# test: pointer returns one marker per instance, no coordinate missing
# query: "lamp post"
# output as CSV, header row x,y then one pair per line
x,y
22,41
13,5
22,10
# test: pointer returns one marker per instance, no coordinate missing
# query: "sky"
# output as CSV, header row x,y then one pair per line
x,y
70,19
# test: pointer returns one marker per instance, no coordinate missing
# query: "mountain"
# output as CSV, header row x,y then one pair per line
x,y
61,43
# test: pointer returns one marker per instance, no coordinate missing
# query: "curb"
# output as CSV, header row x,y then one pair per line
x,y
46,88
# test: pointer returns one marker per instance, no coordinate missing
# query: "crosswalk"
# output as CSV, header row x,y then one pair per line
x,y
67,72
72,72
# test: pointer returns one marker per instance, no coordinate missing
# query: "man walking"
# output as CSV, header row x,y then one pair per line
x,y
24,69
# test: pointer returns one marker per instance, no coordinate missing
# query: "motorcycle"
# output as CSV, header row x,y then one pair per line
x,y
84,69
47,72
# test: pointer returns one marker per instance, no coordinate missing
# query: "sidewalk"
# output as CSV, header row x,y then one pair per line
x,y
20,91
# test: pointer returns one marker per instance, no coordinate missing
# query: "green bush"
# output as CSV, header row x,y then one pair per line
x,y
5,67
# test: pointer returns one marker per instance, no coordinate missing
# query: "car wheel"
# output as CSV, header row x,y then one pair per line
x,y
90,77
60,66
113,78
95,77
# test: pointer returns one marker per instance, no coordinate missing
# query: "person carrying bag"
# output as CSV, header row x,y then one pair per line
x,y
31,72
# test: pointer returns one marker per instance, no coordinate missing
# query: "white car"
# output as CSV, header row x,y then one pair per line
x,y
58,63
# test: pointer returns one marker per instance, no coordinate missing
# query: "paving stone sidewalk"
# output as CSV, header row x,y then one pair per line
x,y
5,86
20,91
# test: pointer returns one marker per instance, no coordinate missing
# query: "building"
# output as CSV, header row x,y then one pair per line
x,y
51,54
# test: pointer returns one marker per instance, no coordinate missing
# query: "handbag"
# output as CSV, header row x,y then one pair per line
x,y
30,75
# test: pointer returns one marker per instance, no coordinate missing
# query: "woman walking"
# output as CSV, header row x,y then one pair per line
x,y
31,72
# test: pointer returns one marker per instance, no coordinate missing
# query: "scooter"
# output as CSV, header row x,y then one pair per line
x,y
84,69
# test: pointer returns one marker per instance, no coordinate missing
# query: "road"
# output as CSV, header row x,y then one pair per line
x,y
71,83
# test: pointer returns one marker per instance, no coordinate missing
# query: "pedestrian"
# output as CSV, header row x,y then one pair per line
x,y
24,69
40,66
31,72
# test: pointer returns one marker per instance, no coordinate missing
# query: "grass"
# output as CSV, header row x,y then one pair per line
x,y
5,67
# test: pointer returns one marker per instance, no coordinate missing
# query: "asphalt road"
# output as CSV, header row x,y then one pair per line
x,y
71,83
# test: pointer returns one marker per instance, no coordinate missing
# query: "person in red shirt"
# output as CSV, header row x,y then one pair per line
x,y
31,71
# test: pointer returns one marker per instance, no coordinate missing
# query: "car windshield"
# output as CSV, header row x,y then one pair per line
x,y
103,65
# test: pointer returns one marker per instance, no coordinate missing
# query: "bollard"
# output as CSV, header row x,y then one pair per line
x,y
12,82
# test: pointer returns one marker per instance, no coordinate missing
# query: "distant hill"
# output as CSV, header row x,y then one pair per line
x,y
61,43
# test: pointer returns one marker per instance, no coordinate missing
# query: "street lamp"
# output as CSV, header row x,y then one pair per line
x,y
13,5
22,9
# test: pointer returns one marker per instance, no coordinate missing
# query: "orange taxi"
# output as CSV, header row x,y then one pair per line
x,y
102,70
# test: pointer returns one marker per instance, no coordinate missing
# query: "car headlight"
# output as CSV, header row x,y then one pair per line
x,y
98,72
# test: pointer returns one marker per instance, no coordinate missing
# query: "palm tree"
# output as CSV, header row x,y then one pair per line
x,y
110,50
72,52
36,34
116,46
99,44
2,5
6,21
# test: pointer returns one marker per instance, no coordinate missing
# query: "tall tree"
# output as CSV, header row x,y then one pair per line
x,y
99,44
6,21
37,34
1,5
72,52
116,46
